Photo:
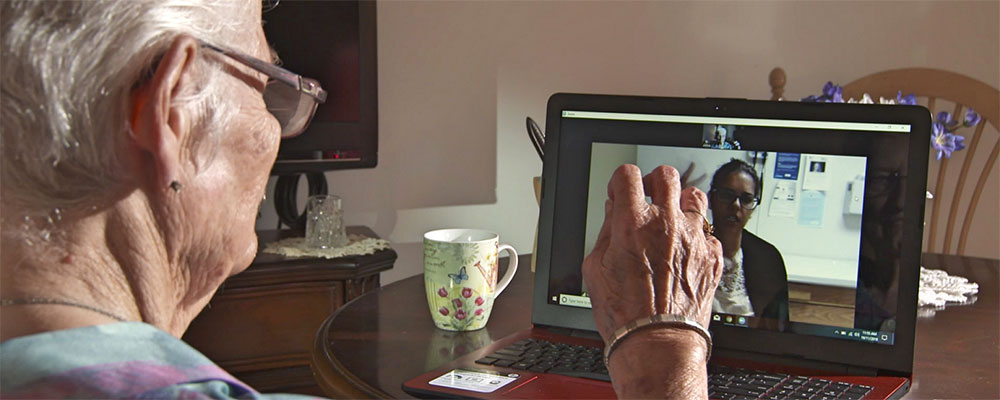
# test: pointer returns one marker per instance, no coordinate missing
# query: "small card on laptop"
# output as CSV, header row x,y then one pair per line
x,y
825,299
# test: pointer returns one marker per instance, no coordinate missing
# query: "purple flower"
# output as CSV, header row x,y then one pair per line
x,y
443,311
460,315
944,118
479,300
971,118
457,302
466,292
937,128
831,94
945,143
909,99
442,292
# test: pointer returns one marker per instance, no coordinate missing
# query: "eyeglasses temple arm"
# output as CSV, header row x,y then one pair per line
x,y
275,72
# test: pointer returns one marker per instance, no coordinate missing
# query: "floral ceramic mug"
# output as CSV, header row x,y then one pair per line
x,y
460,276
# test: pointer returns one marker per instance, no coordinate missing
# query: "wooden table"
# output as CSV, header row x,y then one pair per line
x,y
957,352
378,341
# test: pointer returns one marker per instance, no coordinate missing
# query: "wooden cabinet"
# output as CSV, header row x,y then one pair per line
x,y
261,323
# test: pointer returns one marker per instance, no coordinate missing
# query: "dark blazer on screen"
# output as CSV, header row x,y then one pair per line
x,y
766,279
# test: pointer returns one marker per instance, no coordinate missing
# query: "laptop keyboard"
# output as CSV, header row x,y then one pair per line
x,y
738,383
537,355
555,358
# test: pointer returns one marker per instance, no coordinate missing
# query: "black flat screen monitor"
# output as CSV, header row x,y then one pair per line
x,y
333,42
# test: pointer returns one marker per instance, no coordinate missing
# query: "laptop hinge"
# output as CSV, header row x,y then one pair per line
x,y
861,371
797,361
580,333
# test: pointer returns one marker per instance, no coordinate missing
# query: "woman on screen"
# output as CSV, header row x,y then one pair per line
x,y
754,282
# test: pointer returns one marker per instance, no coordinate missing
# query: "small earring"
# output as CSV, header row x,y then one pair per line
x,y
176,186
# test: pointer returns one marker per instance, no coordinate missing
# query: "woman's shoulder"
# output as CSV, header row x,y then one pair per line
x,y
749,237
757,245
126,359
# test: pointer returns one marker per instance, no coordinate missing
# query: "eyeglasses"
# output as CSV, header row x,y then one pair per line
x,y
290,97
747,200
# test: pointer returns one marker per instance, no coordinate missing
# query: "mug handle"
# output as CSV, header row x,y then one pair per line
x,y
511,268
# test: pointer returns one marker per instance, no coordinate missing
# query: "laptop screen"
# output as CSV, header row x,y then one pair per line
x,y
809,212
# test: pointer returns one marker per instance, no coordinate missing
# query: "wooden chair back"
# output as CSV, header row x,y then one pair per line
x,y
964,216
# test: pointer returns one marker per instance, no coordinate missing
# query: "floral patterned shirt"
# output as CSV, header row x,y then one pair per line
x,y
120,360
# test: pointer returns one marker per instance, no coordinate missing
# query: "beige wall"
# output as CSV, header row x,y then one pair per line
x,y
456,80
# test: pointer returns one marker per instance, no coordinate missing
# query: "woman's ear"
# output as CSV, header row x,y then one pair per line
x,y
158,125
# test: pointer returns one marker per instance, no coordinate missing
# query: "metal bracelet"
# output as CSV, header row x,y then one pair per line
x,y
670,320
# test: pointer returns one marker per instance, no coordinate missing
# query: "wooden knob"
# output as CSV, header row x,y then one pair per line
x,y
777,81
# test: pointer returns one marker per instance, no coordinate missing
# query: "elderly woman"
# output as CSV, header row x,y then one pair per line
x,y
137,140
754,281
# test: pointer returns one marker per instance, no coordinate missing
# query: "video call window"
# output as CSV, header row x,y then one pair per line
x,y
799,253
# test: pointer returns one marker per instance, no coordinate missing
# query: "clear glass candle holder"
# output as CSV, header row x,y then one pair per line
x,y
325,222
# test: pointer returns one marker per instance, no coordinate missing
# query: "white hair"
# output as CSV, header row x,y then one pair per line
x,y
66,76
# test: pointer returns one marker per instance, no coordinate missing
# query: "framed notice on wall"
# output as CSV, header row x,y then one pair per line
x,y
787,166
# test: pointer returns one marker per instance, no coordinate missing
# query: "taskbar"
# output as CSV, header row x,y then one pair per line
x,y
836,332
572,300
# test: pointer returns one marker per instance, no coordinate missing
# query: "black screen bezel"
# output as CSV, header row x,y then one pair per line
x,y
893,359
301,153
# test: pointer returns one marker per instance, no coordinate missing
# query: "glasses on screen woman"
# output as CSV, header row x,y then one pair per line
x,y
727,196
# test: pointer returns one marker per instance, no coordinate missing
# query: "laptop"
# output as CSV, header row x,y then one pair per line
x,y
841,198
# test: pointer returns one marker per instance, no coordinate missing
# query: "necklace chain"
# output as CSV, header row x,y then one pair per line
x,y
42,300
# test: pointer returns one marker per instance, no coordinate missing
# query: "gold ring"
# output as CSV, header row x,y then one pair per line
x,y
706,227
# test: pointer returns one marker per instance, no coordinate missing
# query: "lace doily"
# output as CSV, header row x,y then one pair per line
x,y
937,289
358,245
